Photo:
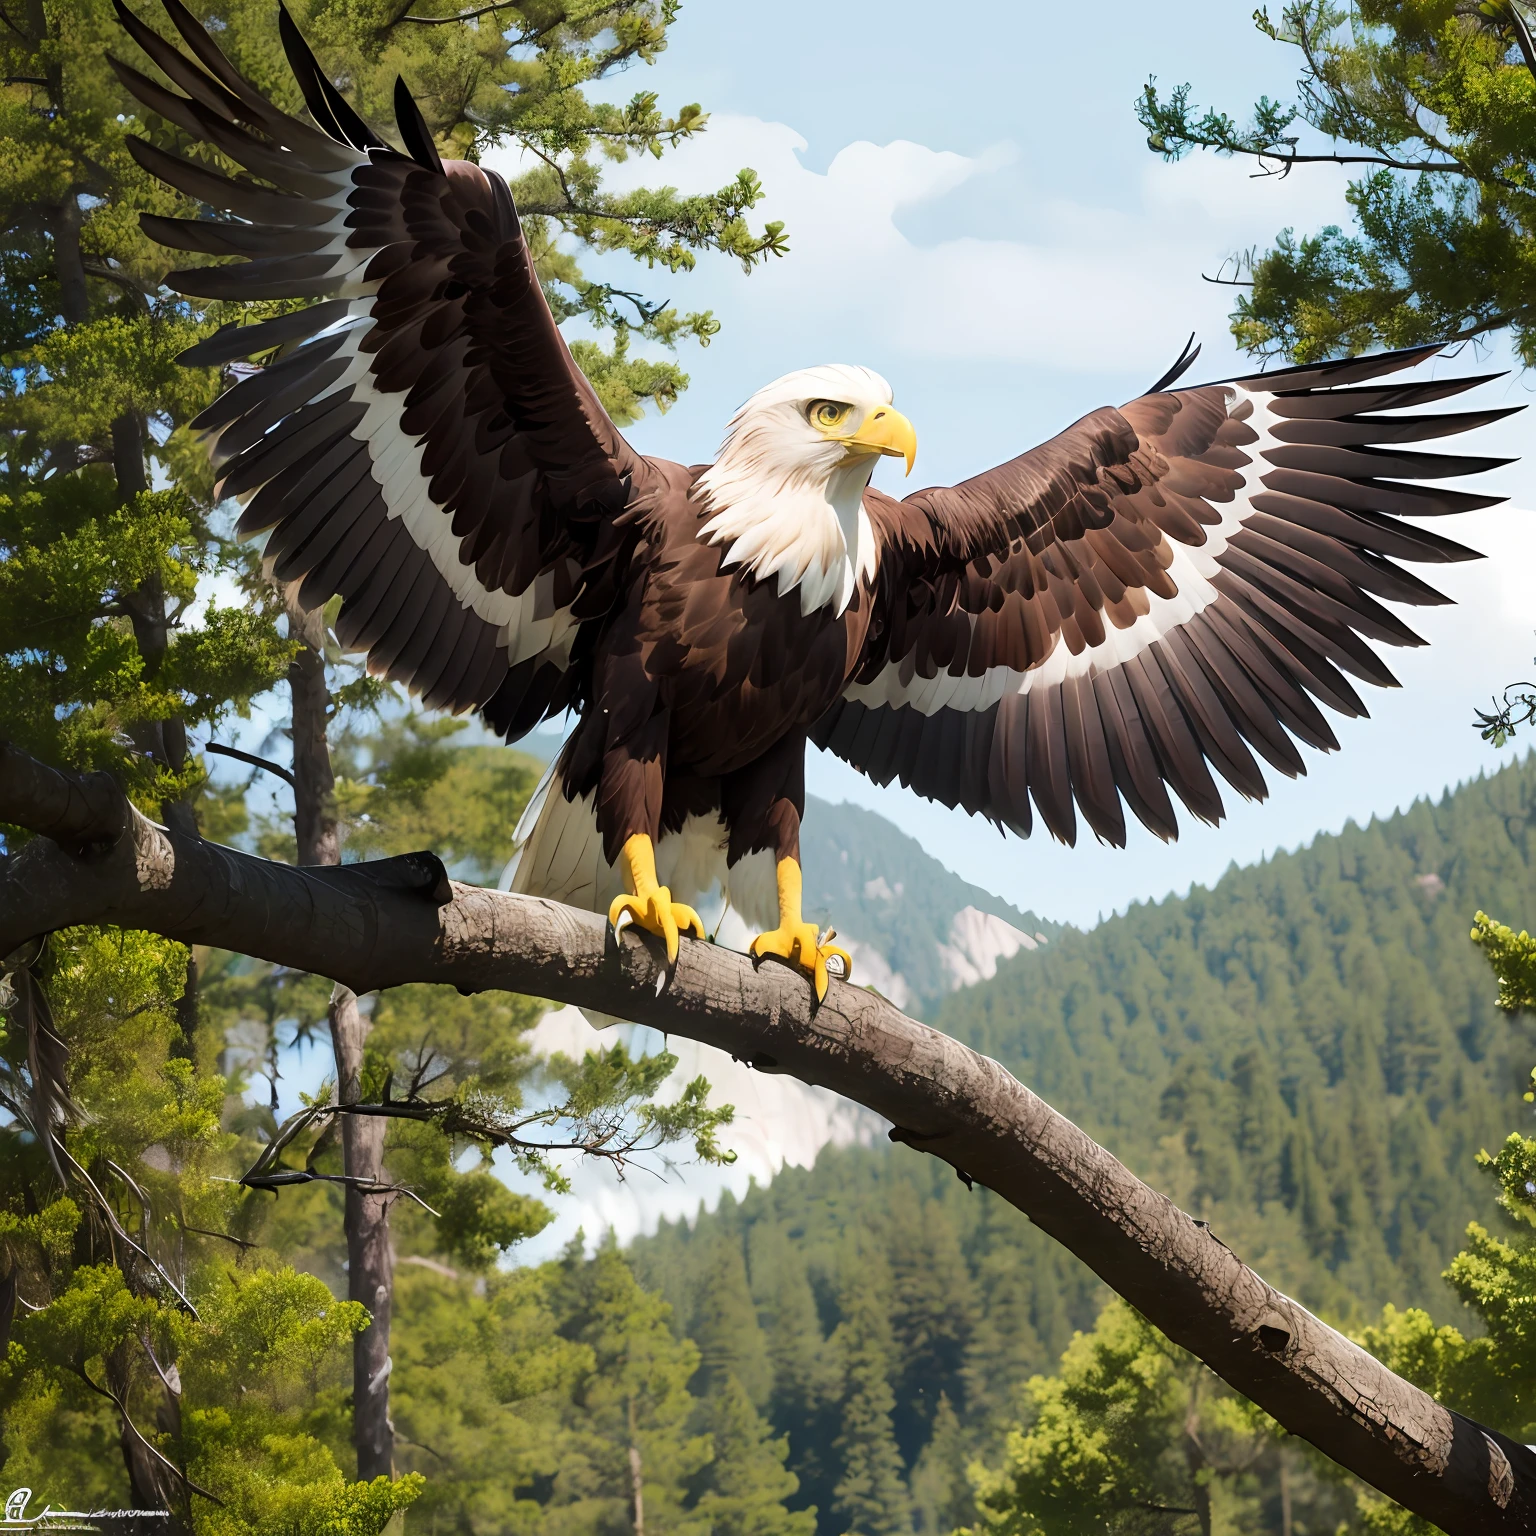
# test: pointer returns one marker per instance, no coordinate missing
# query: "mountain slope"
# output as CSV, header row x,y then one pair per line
x,y
1308,1054
918,930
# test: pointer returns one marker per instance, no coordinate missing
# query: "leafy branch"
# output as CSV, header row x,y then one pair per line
x,y
1436,108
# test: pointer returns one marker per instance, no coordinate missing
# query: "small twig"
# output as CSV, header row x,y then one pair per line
x,y
256,762
119,279
275,1181
448,21
422,1446
117,1229
239,1242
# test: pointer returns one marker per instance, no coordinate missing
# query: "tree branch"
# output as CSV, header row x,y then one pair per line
x,y
138,1434
400,920
250,757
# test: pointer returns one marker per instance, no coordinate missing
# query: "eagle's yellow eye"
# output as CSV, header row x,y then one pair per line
x,y
828,414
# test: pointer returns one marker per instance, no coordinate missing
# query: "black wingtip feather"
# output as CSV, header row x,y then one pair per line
x,y
1181,365
326,104
1333,372
412,126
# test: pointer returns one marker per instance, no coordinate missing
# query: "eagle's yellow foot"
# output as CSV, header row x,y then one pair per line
x,y
798,941
651,905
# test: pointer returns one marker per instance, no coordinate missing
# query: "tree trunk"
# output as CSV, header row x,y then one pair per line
x,y
370,1257
68,262
1199,1469
151,1483
636,1478
401,920
314,783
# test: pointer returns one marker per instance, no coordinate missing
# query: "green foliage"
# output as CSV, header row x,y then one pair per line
x,y
1307,1055
409,783
481,1387
746,1484
99,568
521,1396
1436,102
631,1403
74,567
733,1352
1513,958
1131,1432
471,1051
871,1496
152,1322
900,1316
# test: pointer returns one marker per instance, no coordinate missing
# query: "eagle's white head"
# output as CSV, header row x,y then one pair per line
x,y
787,490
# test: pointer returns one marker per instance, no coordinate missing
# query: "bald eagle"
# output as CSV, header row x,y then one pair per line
x,y
1160,591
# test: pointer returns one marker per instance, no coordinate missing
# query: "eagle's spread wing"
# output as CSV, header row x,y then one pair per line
x,y
423,443
1160,588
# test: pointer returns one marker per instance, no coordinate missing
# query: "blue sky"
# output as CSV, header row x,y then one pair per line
x,y
972,211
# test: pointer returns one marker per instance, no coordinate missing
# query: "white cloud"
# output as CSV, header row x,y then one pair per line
x,y
1092,285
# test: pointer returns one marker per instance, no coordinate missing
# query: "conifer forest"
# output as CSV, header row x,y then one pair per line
x,y
244,1294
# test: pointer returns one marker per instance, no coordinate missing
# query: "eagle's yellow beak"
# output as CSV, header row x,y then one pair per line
x,y
886,430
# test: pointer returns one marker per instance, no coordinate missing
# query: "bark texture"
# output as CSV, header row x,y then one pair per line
x,y
401,920
370,1256
315,823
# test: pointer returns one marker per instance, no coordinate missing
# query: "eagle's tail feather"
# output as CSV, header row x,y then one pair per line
x,y
558,850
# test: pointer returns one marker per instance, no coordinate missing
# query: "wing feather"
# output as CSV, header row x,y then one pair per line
x,y
420,441
1157,593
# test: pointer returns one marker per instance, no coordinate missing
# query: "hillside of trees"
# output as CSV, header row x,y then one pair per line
x,y
1309,1056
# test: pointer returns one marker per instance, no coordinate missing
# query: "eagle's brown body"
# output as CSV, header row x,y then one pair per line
x,y
701,689
1158,591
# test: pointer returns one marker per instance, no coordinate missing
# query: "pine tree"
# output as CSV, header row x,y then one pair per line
x,y
725,1328
158,1352
1437,105
871,1496
744,1488
933,1321
483,1383
807,1375
1131,1435
629,1440
941,1488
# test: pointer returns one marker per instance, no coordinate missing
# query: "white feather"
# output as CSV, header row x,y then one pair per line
x,y
558,853
785,499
